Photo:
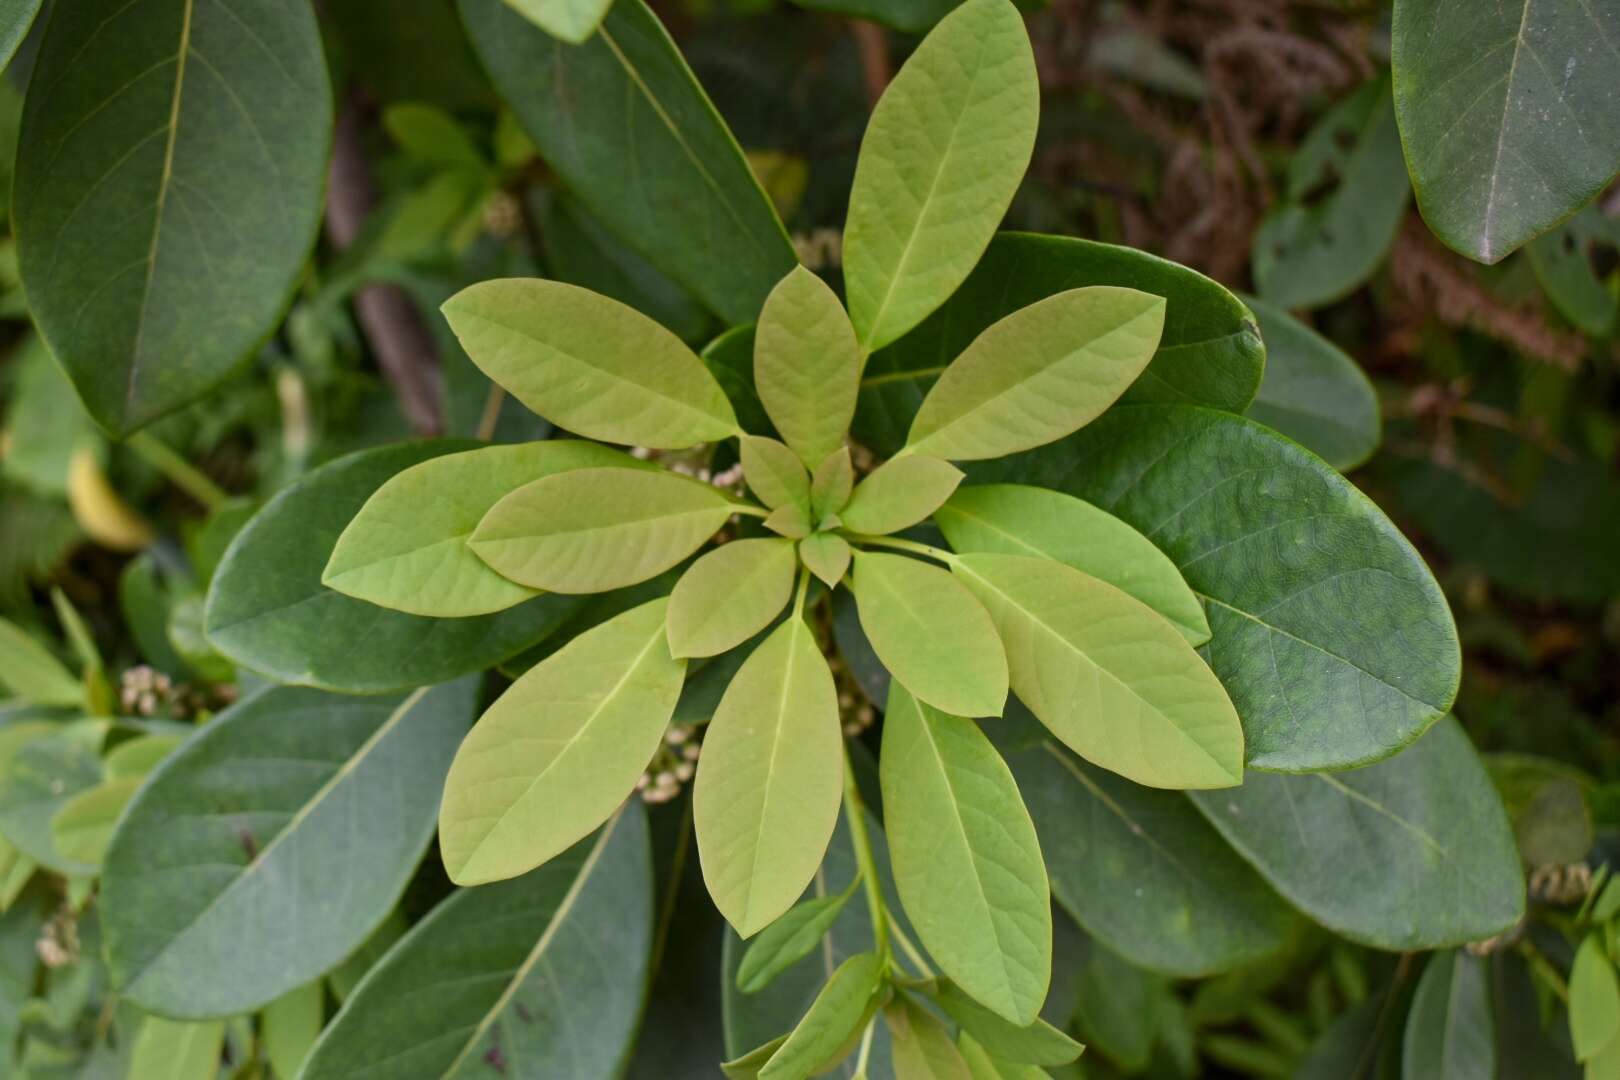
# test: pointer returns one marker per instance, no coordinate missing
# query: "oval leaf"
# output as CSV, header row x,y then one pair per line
x,y
1330,634
1039,374
32,672
831,484
836,1014
827,556
175,1050
729,595
966,858
1107,675
559,751
591,530
898,494
788,940
250,828
43,768
1037,1043
1450,1033
942,155
931,633
571,20
549,972
1594,1000
1434,864
169,182
589,364
922,1045
268,611
1013,519
407,547
774,473
770,779
806,365
83,827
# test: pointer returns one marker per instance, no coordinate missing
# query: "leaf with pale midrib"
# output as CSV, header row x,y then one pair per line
x,y
1449,1030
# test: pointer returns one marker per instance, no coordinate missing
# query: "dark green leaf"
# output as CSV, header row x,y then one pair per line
x,y
15,22
1576,264
1449,1031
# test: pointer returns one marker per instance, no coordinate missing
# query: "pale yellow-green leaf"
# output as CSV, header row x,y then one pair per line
x,y
1108,675
177,1050
139,755
942,155
407,547
729,595
1012,519
83,827
834,1016
560,750
774,473
571,20
982,1065
921,1046
748,1065
590,365
290,1025
899,494
790,520
1038,1043
15,871
931,633
29,670
1039,374
827,556
591,530
807,367
831,485
1594,1000
966,860
770,779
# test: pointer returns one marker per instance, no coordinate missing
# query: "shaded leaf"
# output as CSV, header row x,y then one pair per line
x,y
806,365
729,595
15,22
32,672
923,1049
1449,1031
1037,1043
1576,264
982,1065
83,827
291,1024
42,769
899,494
788,940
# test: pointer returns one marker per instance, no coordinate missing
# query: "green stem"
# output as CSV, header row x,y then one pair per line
x,y
804,588
491,415
855,814
180,472
911,546
866,1047
913,953
750,510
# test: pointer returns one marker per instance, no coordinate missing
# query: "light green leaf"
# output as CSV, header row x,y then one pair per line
x,y
788,940
836,1014
559,751
923,1049
789,520
827,556
291,1024
831,485
175,1050
407,547
41,771
1450,1033
982,1065
1313,392
139,756
770,779
1345,200
729,595
169,183
591,530
1576,268
1434,863
1108,675
1039,374
1037,1043
433,136
931,633
899,494
637,141
1015,519
747,1066
806,365
1506,114
83,827
942,155
1594,1000
549,974
571,20
30,671
965,857
774,473
252,825
589,364
268,611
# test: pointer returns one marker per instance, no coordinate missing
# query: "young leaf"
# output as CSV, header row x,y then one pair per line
x,y
747,1066
31,672
559,751
176,1050
1107,675
42,769
139,756
729,595
1015,519
770,779
550,971
1450,1034
931,633
965,857
591,530
983,1065
407,547
1569,269
1037,1043
268,611
836,1014
831,484
942,155
249,828
806,365
789,520
83,827
1434,864
1594,1000
169,182
923,1049
827,556
571,20
774,473
291,1024
788,940
1039,374
899,494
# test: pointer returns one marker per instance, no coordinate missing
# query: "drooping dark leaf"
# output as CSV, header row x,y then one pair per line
x,y
15,23
169,182
1449,1031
